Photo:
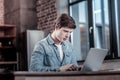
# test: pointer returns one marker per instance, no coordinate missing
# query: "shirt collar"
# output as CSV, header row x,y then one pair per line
x,y
49,39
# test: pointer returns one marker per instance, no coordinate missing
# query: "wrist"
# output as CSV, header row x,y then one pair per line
x,y
58,70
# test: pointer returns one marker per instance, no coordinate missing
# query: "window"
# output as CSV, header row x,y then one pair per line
x,y
117,19
97,26
80,35
101,24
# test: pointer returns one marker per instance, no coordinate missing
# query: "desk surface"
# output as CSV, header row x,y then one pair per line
x,y
69,73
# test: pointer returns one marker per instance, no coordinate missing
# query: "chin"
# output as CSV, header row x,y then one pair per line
x,y
63,40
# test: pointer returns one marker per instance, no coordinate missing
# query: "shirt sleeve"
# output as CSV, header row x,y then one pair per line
x,y
37,61
74,59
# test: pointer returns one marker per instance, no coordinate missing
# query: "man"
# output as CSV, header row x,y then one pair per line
x,y
55,52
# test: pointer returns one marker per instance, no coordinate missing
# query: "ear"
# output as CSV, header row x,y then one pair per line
x,y
57,27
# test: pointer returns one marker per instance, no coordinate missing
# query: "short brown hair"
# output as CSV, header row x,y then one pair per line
x,y
64,20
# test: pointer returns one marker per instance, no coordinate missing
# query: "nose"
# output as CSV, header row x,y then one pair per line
x,y
67,35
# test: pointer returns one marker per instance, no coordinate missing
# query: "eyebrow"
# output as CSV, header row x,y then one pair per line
x,y
68,31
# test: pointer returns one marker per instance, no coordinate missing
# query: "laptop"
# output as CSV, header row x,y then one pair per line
x,y
94,59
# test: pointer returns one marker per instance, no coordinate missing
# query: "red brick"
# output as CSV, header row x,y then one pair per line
x,y
46,13
1,12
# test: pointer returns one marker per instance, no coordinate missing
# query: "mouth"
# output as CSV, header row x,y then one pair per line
x,y
64,39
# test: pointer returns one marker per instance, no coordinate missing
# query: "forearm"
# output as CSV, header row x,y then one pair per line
x,y
36,68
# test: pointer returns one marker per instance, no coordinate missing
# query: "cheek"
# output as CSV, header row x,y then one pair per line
x,y
58,35
61,36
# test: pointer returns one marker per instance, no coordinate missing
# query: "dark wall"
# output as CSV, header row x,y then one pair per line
x,y
32,15
22,13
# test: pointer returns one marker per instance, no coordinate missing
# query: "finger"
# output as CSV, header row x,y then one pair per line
x,y
73,68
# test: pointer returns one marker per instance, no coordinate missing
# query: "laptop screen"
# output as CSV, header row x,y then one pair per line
x,y
94,59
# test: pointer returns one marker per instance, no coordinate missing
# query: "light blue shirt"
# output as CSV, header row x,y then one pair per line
x,y
45,56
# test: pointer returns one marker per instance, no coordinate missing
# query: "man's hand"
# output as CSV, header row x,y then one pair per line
x,y
79,67
68,67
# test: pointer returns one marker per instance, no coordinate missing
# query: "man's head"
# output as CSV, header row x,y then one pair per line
x,y
64,26
64,20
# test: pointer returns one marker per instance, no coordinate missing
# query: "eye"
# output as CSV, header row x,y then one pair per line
x,y
65,31
71,32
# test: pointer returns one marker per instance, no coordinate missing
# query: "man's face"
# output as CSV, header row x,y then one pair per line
x,y
63,34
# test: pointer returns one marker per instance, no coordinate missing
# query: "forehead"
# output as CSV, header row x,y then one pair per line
x,y
67,29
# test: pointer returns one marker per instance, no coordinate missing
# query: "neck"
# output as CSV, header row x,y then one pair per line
x,y
55,39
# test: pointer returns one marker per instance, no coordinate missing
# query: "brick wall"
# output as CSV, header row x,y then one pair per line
x,y
1,12
46,14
